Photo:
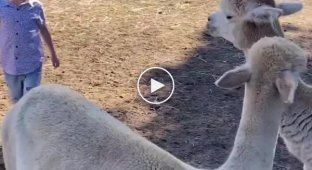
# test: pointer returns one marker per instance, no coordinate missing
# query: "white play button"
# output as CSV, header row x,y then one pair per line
x,y
156,85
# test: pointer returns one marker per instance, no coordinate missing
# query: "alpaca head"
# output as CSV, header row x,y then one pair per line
x,y
247,23
219,26
272,68
237,8
234,8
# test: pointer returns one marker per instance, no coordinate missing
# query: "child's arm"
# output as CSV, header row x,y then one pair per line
x,y
45,33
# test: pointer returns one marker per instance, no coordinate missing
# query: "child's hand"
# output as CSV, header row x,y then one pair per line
x,y
55,61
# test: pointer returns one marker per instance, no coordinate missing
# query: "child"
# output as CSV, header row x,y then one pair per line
x,y
21,51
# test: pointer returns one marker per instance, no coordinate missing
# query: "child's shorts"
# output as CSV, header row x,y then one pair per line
x,y
19,85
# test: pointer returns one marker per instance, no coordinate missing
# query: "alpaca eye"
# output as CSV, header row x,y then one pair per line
x,y
229,17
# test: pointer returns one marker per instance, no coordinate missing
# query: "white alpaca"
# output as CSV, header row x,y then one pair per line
x,y
296,124
53,127
219,26
237,8
258,22
271,79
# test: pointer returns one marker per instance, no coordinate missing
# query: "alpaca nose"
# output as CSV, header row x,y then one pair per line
x,y
209,18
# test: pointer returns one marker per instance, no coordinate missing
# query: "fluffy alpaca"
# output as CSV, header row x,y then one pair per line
x,y
271,78
53,127
256,23
296,124
240,7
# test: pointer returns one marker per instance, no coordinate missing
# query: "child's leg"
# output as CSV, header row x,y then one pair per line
x,y
32,80
15,85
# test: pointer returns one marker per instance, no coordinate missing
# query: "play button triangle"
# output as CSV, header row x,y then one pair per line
x,y
156,85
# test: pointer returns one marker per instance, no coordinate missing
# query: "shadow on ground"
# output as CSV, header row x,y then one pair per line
x,y
199,123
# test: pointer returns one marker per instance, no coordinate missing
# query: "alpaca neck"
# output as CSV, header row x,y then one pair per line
x,y
256,138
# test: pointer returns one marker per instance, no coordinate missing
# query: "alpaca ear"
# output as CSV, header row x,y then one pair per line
x,y
264,14
287,85
290,8
234,78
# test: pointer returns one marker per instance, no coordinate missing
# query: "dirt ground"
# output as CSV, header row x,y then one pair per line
x,y
104,45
